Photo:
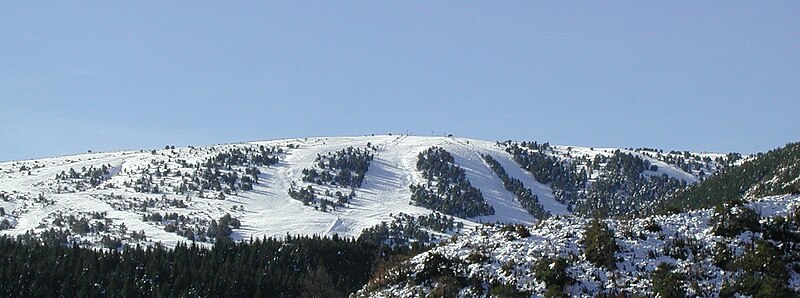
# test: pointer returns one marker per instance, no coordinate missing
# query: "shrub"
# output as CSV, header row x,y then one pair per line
x,y
476,257
522,231
599,244
508,290
667,282
652,226
553,272
764,272
731,219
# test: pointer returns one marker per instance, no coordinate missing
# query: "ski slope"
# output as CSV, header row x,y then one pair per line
x,y
268,210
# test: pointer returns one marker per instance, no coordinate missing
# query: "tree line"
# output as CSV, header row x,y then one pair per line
x,y
290,267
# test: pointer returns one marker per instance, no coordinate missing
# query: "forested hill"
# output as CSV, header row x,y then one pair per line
x,y
773,173
418,215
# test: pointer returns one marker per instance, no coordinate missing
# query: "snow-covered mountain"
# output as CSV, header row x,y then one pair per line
x,y
252,189
694,254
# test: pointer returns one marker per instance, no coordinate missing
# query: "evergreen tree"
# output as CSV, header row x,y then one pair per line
x,y
668,283
763,273
553,273
599,244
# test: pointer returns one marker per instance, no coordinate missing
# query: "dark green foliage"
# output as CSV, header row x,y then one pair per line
x,y
627,195
79,225
599,244
193,228
626,164
508,290
5,224
263,156
409,232
345,168
246,183
441,271
476,257
723,256
224,227
522,231
772,173
434,265
226,172
783,229
111,242
139,236
668,283
319,284
681,247
525,197
733,218
652,226
87,177
553,272
563,178
448,190
623,189
689,162
293,267
305,195
764,273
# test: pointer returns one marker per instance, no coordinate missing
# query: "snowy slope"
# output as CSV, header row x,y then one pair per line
x,y
685,240
571,152
35,198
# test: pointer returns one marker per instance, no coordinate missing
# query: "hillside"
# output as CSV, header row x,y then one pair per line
x,y
428,215
773,173
615,182
741,248
315,186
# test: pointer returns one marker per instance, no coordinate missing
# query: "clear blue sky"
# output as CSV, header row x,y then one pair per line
x,y
110,75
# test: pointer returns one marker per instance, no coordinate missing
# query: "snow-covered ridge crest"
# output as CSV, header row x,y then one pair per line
x,y
124,190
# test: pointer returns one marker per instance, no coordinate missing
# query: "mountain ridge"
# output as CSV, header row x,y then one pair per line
x,y
437,215
203,184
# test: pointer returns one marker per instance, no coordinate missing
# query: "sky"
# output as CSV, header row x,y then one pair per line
x,y
716,76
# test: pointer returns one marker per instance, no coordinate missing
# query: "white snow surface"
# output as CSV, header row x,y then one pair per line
x,y
268,210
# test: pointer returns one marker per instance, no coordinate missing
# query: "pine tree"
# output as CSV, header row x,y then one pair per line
x,y
599,244
668,283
